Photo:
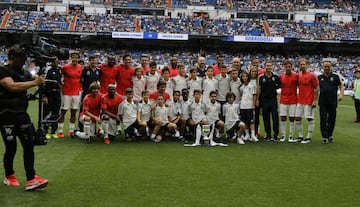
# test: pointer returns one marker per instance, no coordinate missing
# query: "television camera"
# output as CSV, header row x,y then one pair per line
x,y
44,50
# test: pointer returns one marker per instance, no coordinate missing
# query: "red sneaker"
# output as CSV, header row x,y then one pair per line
x,y
71,134
61,135
36,183
106,141
11,180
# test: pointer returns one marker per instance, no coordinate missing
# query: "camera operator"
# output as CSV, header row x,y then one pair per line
x,y
15,121
52,96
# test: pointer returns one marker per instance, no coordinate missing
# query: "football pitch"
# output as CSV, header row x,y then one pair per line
x,y
168,174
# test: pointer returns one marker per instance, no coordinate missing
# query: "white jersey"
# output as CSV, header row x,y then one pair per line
x,y
194,85
248,92
197,111
145,110
180,83
128,112
163,113
185,108
254,83
234,87
152,81
231,113
212,111
138,87
208,86
174,109
223,87
169,88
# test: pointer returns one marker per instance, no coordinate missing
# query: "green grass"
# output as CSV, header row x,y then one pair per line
x,y
168,174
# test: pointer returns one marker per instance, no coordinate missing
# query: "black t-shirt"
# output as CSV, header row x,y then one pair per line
x,y
328,88
13,102
269,85
88,76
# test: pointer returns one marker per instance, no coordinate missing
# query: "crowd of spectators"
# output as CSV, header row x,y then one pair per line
x,y
349,6
320,29
345,65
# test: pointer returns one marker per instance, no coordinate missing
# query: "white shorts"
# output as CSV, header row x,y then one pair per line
x,y
287,110
70,102
305,111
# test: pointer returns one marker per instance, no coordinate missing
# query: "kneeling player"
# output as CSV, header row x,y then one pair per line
x,y
235,127
90,116
109,107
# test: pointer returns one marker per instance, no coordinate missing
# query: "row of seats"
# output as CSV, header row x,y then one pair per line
x,y
43,21
351,6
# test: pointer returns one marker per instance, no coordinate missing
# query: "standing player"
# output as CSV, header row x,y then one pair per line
x,y
175,115
223,85
108,73
267,100
247,106
308,94
288,100
194,82
180,81
220,60
70,93
201,67
144,61
356,90
186,116
209,84
124,75
152,78
173,68
235,84
329,84
161,87
52,96
109,108
169,82
138,82
144,114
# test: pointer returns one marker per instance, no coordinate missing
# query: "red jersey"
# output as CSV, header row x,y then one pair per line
x,y
72,79
108,76
124,79
146,69
307,83
92,105
217,70
289,88
155,94
111,104
173,71
261,71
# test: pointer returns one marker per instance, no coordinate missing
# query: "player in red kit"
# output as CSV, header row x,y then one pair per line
x,y
90,116
70,93
308,94
288,100
124,76
144,61
109,108
173,67
108,73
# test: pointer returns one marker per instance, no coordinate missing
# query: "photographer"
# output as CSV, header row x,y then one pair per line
x,y
15,121
52,96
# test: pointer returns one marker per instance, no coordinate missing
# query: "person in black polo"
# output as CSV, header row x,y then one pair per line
x,y
89,74
328,100
52,96
267,100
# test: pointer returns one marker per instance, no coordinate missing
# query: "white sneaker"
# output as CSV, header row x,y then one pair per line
x,y
137,133
240,141
177,134
291,140
254,139
282,139
246,138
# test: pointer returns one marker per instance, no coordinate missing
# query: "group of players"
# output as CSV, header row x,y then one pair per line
x,y
164,103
